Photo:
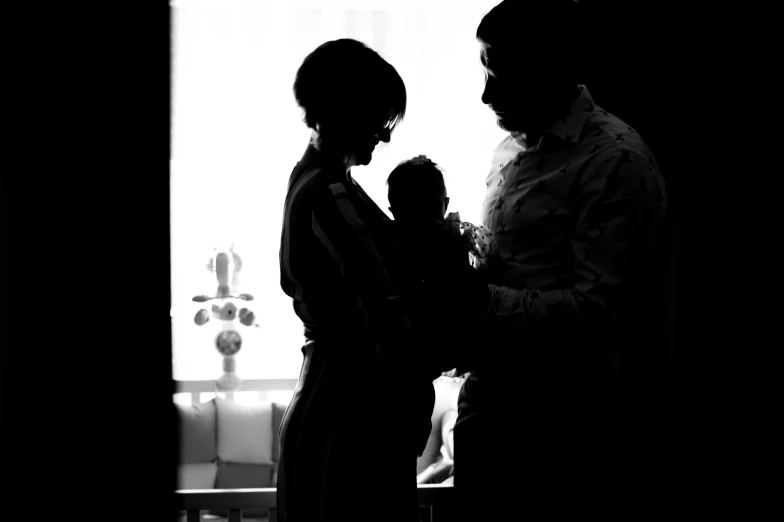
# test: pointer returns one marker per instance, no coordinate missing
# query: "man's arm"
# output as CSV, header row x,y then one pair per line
x,y
621,206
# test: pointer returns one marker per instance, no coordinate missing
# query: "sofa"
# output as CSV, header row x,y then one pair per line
x,y
226,445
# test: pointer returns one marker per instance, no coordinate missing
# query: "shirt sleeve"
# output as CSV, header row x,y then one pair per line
x,y
621,205
357,253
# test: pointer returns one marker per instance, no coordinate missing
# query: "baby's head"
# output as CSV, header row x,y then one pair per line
x,y
417,193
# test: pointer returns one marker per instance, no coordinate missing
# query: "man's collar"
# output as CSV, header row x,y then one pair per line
x,y
568,128
571,125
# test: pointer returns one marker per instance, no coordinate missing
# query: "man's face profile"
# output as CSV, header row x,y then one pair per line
x,y
518,86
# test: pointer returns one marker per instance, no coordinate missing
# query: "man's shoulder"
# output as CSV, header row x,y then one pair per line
x,y
608,135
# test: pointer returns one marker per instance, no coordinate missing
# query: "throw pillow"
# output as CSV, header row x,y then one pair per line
x,y
197,426
244,432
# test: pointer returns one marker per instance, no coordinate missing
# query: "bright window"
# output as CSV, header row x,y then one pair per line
x,y
237,133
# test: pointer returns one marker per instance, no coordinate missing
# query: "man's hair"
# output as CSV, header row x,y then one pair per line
x,y
531,27
417,181
344,82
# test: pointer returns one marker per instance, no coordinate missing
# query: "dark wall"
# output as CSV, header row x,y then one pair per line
x,y
628,64
91,375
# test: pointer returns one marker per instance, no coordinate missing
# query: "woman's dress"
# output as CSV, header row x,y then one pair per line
x,y
360,414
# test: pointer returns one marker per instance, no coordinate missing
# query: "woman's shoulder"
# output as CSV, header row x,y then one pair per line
x,y
312,182
304,178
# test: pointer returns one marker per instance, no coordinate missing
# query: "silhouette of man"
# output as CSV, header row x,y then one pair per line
x,y
576,202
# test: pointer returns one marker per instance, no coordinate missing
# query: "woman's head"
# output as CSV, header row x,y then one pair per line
x,y
351,97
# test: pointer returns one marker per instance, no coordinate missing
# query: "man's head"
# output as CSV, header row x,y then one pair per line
x,y
529,51
417,193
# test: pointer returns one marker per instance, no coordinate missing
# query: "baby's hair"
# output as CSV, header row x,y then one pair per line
x,y
416,180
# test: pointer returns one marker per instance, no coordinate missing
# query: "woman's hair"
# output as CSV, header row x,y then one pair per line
x,y
347,89
417,181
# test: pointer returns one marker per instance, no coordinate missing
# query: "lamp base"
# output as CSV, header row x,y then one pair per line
x,y
228,382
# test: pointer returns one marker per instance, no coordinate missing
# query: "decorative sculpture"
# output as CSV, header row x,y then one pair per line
x,y
225,264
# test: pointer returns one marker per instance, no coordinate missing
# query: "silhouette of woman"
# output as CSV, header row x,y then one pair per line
x,y
360,397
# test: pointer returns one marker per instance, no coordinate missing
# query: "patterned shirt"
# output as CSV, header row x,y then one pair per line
x,y
574,217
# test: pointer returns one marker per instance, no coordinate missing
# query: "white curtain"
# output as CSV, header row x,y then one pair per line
x,y
237,133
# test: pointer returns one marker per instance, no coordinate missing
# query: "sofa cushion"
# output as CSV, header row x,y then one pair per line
x,y
244,432
197,475
278,410
234,475
197,433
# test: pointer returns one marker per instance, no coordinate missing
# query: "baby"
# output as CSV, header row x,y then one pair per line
x,y
437,242
445,258
417,193
418,201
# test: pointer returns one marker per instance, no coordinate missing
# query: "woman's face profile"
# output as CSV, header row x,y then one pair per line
x,y
366,144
